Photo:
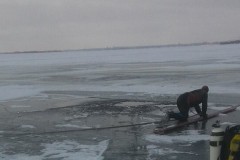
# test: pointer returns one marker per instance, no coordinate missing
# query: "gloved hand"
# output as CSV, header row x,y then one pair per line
x,y
204,115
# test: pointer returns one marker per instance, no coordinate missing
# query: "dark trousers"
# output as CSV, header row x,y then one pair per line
x,y
182,107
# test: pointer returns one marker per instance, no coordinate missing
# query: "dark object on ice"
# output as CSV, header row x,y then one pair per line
x,y
191,99
230,132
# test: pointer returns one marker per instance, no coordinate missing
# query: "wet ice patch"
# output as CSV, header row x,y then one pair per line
x,y
133,104
166,106
228,123
189,136
67,125
16,91
173,157
217,108
26,126
83,115
158,113
66,150
221,108
183,139
71,126
70,150
147,119
19,157
152,149
1,132
158,139
20,106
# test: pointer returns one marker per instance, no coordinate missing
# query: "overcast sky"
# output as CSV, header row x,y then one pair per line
x,y
75,24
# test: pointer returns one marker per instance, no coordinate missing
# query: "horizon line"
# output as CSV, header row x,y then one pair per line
x,y
127,47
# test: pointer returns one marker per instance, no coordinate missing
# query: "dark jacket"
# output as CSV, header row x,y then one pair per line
x,y
193,99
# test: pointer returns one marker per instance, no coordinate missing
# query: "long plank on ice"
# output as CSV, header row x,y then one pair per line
x,y
191,120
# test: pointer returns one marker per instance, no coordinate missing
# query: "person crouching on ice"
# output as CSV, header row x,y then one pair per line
x,y
191,99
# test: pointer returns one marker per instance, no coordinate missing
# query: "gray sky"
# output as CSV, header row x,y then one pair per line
x,y
75,24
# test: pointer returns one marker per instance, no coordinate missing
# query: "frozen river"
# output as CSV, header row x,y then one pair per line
x,y
45,94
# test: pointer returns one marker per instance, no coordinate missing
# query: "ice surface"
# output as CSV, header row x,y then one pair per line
x,y
19,106
153,149
219,108
65,150
184,139
190,136
27,126
16,91
32,74
228,123
61,77
71,126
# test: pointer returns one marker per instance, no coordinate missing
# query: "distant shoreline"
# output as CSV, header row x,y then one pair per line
x,y
128,47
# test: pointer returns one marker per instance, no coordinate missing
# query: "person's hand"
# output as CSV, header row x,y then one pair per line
x,y
204,115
